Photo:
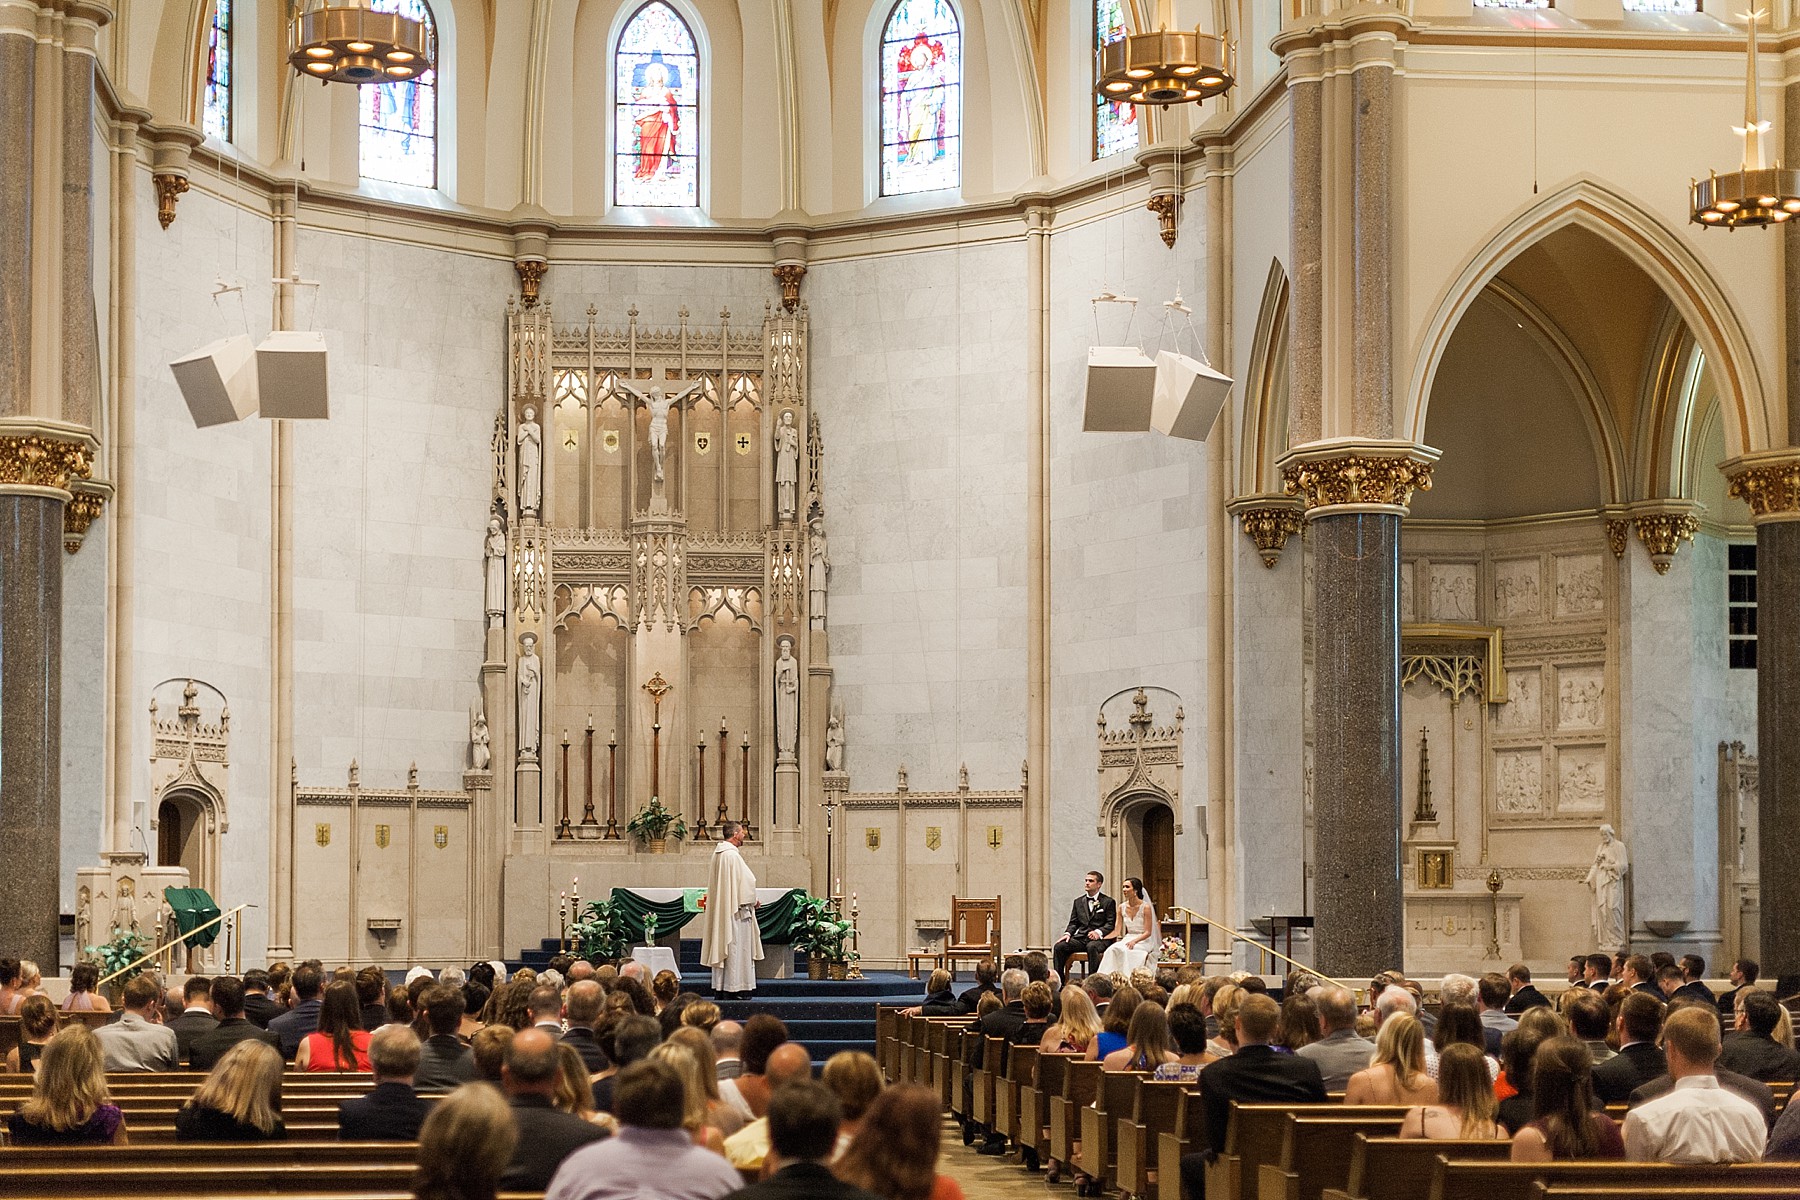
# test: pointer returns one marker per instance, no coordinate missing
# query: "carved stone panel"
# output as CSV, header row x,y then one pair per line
x,y
1580,586
1519,782
1581,779
1523,712
1407,611
1452,595
1581,697
1516,590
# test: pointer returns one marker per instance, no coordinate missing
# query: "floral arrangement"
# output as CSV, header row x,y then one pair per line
x,y
125,948
598,933
1173,950
649,927
820,932
653,822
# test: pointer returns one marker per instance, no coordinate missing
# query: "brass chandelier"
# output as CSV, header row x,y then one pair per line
x,y
349,42
1754,195
1165,67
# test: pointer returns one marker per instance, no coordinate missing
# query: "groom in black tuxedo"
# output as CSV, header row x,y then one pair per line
x,y
1091,920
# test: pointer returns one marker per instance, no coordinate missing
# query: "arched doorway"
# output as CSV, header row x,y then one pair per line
x,y
1148,849
180,820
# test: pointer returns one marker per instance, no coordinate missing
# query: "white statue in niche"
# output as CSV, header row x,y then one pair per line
x,y
1606,879
480,753
659,403
787,467
834,743
531,690
494,602
818,574
787,701
531,462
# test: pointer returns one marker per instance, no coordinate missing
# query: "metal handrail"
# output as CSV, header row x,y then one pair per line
x,y
170,945
1261,949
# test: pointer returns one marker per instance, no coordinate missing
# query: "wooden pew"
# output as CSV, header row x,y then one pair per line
x,y
304,1129
1187,1137
1576,1191
196,1179
1113,1101
1256,1136
1391,1168
1021,1067
992,1062
1153,1110
1315,1153
1080,1083
887,1041
1471,1180
175,1154
1034,1101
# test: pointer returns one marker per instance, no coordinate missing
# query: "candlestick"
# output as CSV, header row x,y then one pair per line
x,y
562,826
612,787
587,754
724,813
749,829
700,834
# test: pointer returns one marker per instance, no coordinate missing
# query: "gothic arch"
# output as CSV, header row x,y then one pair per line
x,y
1681,275
1265,432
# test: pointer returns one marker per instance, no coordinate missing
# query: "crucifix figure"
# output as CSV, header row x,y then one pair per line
x,y
659,403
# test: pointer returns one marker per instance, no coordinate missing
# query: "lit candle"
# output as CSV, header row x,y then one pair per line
x,y
590,721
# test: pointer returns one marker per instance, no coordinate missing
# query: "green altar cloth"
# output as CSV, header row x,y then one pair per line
x,y
194,908
775,919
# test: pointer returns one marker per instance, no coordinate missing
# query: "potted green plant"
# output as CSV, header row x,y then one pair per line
x,y
824,936
653,824
599,933
124,948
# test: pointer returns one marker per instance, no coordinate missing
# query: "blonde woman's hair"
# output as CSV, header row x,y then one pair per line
x,y
1225,1007
465,1144
245,1085
30,975
1080,1019
855,1078
1402,1043
687,1065
574,1086
697,1040
1784,1028
1188,994
701,1014
71,1081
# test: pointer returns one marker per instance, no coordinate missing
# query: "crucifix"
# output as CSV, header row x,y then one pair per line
x,y
658,687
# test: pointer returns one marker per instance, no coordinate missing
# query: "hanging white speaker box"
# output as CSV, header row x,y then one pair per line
x,y
290,373
1121,382
1188,396
218,382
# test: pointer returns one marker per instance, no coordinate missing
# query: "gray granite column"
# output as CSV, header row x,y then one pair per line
x,y
1371,202
1778,751
18,58
31,537
1306,296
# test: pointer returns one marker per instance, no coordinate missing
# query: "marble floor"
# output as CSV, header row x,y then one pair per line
x,y
993,1178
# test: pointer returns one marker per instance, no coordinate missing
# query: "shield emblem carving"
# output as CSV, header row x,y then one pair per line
x,y
322,834
872,837
610,440
995,836
702,443
934,837
382,836
440,836
743,443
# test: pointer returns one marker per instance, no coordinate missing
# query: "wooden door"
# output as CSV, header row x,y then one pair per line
x,y
1159,855
168,836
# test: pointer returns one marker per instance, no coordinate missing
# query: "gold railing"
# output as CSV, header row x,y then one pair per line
x,y
170,945
1267,951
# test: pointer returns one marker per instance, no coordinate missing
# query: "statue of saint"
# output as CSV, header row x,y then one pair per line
x,y
494,602
531,691
834,743
531,463
659,404
818,574
1606,878
480,755
787,467
787,701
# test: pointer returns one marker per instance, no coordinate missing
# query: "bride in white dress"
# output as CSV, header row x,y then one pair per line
x,y
1137,935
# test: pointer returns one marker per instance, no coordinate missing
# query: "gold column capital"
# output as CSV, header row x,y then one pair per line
x,y
1357,475
1268,520
1767,481
531,278
1662,526
44,457
789,275
87,500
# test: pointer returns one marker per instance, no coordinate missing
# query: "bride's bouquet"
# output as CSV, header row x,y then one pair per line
x,y
1173,950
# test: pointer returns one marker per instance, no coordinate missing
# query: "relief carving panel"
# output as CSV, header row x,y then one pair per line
x,y
1452,591
1519,782
1579,585
1516,590
1581,779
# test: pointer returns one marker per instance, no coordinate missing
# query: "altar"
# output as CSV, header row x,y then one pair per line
x,y
674,908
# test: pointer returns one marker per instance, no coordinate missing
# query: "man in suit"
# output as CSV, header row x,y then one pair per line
x,y
803,1132
293,1025
391,1111
1091,920
582,1008
1524,995
1340,1053
1751,1048
196,1014
1640,976
1598,975
444,1062
1693,987
1743,981
207,1048
259,1010
1255,1073
546,1135
1639,1059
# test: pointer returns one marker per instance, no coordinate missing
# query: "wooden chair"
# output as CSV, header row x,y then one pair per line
x,y
974,932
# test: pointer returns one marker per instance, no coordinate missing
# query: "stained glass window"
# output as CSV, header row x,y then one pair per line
x,y
1662,6
656,112
1115,124
398,140
215,118
921,98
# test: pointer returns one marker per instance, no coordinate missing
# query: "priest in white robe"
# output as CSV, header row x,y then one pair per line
x,y
730,942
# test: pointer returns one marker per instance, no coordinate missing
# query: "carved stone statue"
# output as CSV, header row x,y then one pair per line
x,y
480,754
659,404
818,574
834,743
787,701
494,602
787,467
531,692
1606,879
531,463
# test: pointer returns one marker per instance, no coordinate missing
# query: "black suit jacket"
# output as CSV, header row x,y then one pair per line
x,y
1001,1023
941,1004
1695,991
971,999
1627,1071
259,1010
390,1112
188,1026
206,1049
1759,1057
293,1026
1095,920
1526,997
801,1181
546,1137
1728,1000
1258,1074
1756,1093
592,1053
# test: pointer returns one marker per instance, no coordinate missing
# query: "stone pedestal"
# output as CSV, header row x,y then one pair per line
x,y
127,894
1456,931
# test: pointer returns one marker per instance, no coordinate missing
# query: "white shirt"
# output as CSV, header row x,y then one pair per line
x,y
1696,1122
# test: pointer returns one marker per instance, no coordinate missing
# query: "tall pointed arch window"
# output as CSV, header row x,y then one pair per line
x,y
656,111
921,98
397,141
1115,124
215,108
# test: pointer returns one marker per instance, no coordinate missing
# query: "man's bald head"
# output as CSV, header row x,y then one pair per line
x,y
788,1062
531,1063
635,970
727,1039
582,969
583,1003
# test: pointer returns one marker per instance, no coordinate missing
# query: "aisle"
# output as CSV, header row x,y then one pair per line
x,y
998,1178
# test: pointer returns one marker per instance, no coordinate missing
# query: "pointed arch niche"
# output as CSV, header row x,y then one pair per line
x,y
190,769
1139,735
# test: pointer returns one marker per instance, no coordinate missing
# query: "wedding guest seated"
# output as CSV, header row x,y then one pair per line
x,y
749,1147
1751,1049
259,1010
1517,1052
762,1033
69,1104
196,1014
444,1061
546,1135
804,1119
1589,1020
1147,1044
1300,1025
377,1004
986,976
340,1043
694,1119
1693,985
721,1114
581,1005
134,1042
1340,1053
1743,981
488,1051
575,1089
895,1153
1187,1030
1115,1022
939,1000
1079,1024
82,997
37,1022
1397,1073
29,982
632,1041
1459,1025
650,1146
1465,1108
1037,1002
9,987
464,1146
855,1079
1697,1121
233,1027
240,1101
1567,1123
1639,1060
728,1045
303,1017
1524,994
391,1111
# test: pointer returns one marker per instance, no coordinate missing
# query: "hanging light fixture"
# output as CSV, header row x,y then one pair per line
x,y
349,42
1165,67
1753,195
